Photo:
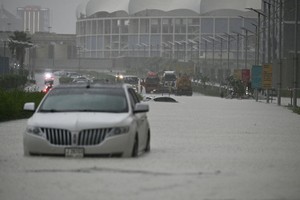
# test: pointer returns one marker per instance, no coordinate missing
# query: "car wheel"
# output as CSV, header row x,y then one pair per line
x,y
135,149
147,149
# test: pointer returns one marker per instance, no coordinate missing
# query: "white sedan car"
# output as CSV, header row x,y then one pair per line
x,y
88,120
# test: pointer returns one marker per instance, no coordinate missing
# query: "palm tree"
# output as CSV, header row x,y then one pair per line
x,y
18,43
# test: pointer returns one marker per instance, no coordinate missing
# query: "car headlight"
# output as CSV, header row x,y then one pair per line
x,y
118,131
34,130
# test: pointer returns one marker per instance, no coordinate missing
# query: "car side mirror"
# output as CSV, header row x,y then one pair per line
x,y
30,106
141,107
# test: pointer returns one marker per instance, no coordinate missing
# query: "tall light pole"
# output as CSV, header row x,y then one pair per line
x,y
237,49
213,53
177,48
205,49
296,56
269,40
257,42
280,53
246,45
79,55
221,50
256,33
259,14
228,51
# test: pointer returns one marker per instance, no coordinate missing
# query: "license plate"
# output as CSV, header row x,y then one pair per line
x,y
74,152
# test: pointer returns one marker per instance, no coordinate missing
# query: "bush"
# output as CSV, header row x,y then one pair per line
x,y
12,81
12,102
297,110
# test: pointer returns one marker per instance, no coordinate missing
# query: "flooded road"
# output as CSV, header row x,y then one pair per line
x,y
202,148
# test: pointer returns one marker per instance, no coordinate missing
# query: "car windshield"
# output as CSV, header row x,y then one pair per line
x,y
131,80
85,100
152,79
170,77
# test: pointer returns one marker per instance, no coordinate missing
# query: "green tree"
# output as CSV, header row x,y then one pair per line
x,y
237,86
18,43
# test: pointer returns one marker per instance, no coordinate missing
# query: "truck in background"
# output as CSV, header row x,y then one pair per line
x,y
169,82
152,83
184,85
132,80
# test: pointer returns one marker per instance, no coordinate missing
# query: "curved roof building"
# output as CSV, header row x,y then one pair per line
x,y
111,6
136,6
177,29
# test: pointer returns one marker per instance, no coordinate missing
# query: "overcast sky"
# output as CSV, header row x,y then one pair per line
x,y
63,12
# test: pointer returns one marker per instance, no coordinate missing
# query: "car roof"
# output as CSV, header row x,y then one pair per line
x,y
93,85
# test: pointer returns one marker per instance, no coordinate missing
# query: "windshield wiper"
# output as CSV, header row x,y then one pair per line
x,y
49,110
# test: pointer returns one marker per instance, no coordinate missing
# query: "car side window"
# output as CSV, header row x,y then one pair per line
x,y
133,97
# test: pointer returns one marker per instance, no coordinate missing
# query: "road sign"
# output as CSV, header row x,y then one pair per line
x,y
267,76
246,75
256,77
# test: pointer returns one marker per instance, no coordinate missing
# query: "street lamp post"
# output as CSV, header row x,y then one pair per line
x,y
295,56
221,50
246,44
237,49
177,48
228,52
79,55
280,54
213,53
259,14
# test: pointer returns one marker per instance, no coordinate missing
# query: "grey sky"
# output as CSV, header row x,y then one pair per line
x,y
63,12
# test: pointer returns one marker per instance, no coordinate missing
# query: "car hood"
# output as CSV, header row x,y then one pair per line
x,y
77,121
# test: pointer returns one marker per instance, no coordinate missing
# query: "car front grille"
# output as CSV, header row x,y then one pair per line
x,y
58,136
91,137
88,137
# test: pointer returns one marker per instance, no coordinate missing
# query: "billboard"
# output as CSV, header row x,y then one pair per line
x,y
256,77
267,76
261,77
242,74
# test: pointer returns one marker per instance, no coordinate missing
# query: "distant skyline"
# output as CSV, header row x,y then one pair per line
x,y
62,12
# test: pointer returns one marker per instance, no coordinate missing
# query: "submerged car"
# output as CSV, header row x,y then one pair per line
x,y
88,120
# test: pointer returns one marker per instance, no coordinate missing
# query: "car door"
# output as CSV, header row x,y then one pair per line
x,y
141,118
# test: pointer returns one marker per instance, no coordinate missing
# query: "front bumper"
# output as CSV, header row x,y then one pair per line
x,y
120,145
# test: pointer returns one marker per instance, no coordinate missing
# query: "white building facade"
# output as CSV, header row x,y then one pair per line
x,y
148,28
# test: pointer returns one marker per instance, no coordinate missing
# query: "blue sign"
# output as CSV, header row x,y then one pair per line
x,y
256,77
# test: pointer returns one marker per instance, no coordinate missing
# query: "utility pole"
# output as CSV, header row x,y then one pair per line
x,y
237,49
228,51
246,46
259,14
280,53
221,55
269,41
296,56
205,48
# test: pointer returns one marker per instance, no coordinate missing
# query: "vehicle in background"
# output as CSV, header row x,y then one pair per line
x,y
47,89
132,80
73,75
48,78
118,78
152,83
184,85
94,120
82,79
169,81
60,73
